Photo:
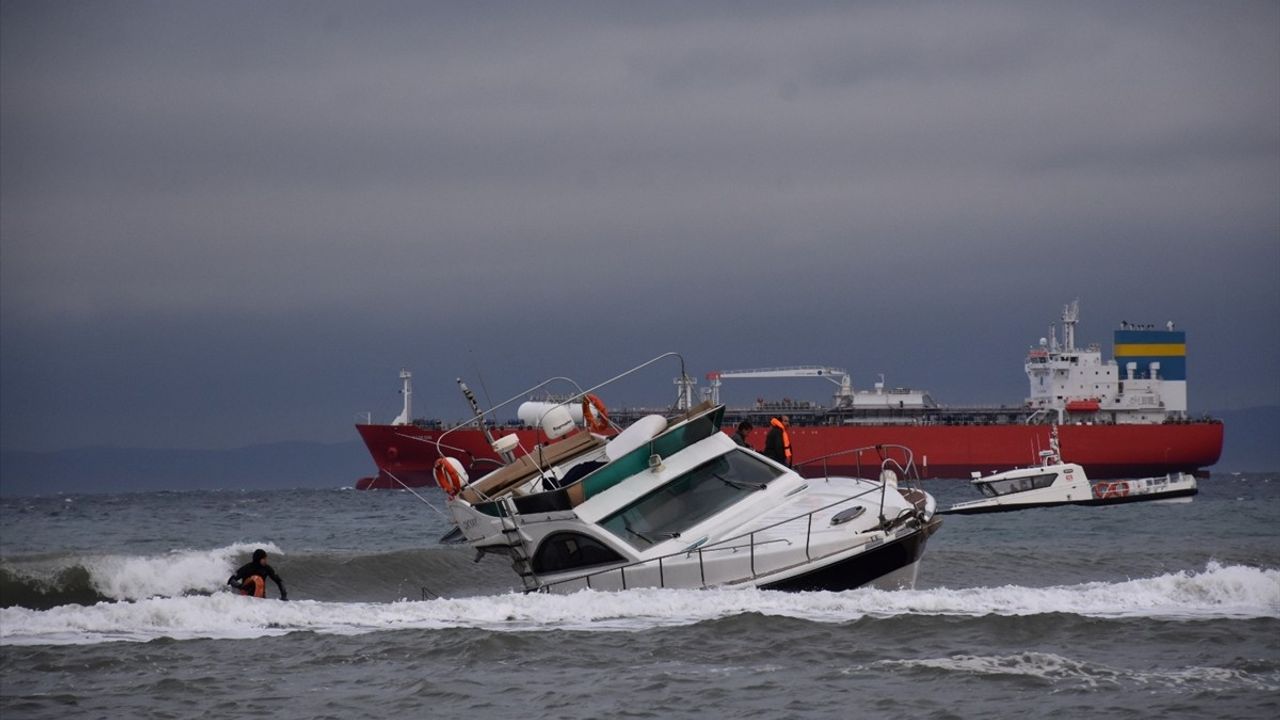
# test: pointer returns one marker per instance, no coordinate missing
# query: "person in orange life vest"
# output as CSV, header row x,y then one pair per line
x,y
777,444
251,578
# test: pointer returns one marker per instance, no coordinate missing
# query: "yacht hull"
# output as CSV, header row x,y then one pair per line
x,y
892,564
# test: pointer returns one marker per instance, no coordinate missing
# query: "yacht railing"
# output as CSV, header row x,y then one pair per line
x,y
897,459
746,541
575,397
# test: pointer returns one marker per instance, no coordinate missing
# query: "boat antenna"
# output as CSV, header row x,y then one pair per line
x,y
479,417
483,388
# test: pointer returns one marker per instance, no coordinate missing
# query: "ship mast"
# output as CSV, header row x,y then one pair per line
x,y
684,393
406,389
1070,315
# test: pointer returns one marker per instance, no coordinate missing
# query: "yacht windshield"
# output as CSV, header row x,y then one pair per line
x,y
691,498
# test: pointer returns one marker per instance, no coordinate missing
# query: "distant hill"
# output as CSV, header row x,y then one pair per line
x,y
1252,445
277,465
1251,440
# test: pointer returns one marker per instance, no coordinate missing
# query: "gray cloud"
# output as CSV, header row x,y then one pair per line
x,y
323,191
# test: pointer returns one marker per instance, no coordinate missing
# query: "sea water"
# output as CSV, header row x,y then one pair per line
x,y
114,607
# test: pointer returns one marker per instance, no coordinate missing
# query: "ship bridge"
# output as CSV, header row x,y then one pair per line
x,y
1145,383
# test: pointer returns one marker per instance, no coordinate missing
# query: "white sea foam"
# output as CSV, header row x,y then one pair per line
x,y
1220,592
1059,670
133,577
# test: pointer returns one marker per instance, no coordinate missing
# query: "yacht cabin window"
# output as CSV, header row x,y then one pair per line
x,y
1014,485
689,499
570,550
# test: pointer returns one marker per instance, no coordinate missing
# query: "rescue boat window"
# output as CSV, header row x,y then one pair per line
x,y
1014,485
570,550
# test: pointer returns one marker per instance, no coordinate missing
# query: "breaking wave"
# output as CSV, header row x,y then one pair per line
x,y
84,580
1219,592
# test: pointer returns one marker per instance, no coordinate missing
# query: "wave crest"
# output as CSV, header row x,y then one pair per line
x,y
1058,670
1220,592
85,580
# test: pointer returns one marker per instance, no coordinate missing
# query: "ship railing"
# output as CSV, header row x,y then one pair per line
x,y
734,560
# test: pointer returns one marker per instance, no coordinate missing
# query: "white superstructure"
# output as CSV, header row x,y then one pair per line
x,y
1069,384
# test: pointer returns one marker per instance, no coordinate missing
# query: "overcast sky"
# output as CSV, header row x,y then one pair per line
x,y
227,223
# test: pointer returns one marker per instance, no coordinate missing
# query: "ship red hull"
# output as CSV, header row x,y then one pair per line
x,y
405,453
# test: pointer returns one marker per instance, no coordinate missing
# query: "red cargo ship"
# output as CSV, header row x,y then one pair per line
x,y
1121,418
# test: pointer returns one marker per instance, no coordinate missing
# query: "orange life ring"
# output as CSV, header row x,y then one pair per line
x,y
447,476
594,414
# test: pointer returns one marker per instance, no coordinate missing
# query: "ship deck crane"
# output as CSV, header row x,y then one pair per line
x,y
837,376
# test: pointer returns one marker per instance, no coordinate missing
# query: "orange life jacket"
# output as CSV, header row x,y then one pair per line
x,y
786,439
254,585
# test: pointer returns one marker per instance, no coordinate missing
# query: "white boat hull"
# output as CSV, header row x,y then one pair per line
x,y
1177,487
887,562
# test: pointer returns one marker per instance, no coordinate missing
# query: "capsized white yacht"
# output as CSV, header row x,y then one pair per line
x,y
1055,482
674,502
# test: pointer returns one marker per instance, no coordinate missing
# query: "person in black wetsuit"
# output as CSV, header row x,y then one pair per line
x,y
251,578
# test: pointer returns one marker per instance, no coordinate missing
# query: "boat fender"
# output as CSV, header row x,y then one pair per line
x,y
449,475
636,435
594,413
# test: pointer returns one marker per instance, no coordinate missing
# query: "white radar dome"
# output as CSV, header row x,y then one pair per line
x,y
557,422
530,413
506,443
